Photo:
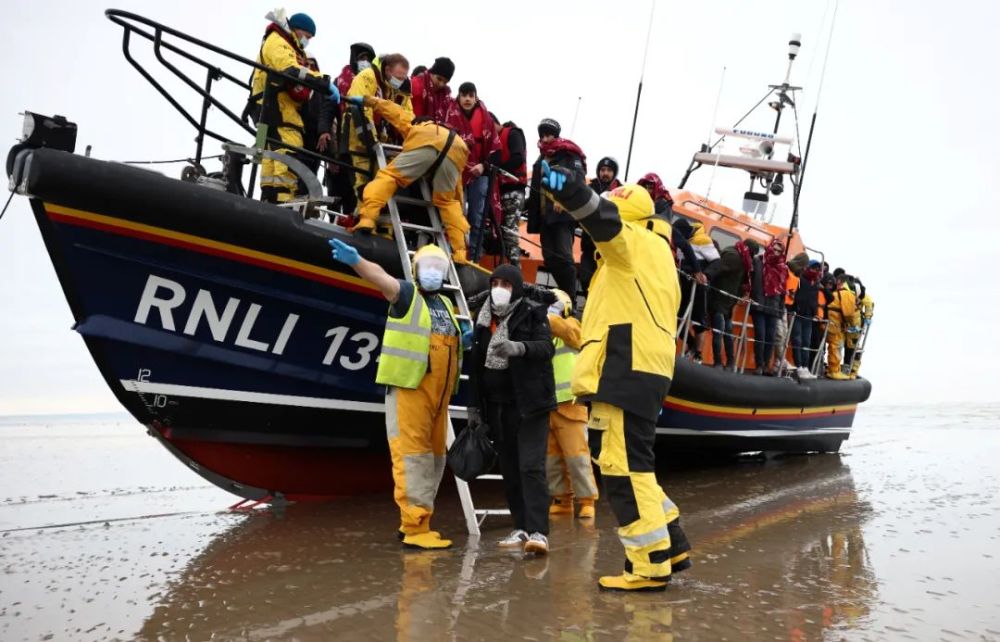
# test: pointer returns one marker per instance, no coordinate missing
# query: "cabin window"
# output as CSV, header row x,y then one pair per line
x,y
723,238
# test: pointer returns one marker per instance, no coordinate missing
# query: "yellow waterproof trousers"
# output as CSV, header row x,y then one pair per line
x,y
416,425
851,341
567,466
642,508
446,185
275,174
834,343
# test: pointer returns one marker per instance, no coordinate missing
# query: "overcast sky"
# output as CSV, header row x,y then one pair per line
x,y
900,189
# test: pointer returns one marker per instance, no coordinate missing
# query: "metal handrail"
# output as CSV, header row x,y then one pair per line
x,y
736,220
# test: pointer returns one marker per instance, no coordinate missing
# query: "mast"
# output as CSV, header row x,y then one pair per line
x,y
638,96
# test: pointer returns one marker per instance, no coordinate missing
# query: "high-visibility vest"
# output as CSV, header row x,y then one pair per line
x,y
562,368
406,344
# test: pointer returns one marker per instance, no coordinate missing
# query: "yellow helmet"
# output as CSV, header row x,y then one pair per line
x,y
429,252
564,302
633,201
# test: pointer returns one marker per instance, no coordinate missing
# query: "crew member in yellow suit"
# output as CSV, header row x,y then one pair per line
x,y
419,364
386,78
283,50
429,148
624,370
844,317
866,306
568,466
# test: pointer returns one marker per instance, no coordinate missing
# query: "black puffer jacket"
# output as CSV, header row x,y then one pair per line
x,y
531,374
541,210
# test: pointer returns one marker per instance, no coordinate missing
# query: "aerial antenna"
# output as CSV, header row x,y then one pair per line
x,y
794,224
572,128
638,96
715,115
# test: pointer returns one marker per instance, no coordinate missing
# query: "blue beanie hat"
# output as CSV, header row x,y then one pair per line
x,y
302,21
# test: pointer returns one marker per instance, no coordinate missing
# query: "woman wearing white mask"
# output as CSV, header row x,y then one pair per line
x,y
512,387
419,365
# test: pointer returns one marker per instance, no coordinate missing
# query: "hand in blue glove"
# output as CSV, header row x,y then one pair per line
x,y
356,100
553,179
344,253
853,329
467,333
334,93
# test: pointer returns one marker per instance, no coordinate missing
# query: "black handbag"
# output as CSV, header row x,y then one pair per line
x,y
472,453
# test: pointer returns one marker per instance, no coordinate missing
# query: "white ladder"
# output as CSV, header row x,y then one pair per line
x,y
435,231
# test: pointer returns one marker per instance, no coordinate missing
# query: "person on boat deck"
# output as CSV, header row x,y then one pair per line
x,y
428,149
318,118
662,201
513,389
782,339
605,181
432,95
844,317
633,303
419,365
730,280
386,79
703,253
340,180
568,465
805,306
555,227
511,158
867,308
477,130
767,293
283,49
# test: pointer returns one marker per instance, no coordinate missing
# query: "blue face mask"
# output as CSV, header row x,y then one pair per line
x,y
430,279
304,42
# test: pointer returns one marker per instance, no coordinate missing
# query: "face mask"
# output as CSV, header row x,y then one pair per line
x,y
395,82
556,309
500,296
430,279
303,41
363,64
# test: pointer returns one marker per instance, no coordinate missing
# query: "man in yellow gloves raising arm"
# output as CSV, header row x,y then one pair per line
x,y
429,149
624,369
419,364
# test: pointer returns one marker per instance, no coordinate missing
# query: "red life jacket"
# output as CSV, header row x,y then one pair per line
x,y
522,171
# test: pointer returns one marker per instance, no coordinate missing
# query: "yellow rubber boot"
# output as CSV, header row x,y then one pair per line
x,y
562,505
586,509
428,541
630,582
836,375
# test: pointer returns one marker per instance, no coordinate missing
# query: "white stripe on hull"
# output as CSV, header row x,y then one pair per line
x,y
754,433
221,394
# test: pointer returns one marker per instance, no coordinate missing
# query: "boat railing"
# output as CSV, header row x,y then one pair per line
x,y
723,215
743,339
166,39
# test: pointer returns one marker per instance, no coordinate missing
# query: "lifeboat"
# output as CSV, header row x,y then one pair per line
x,y
222,325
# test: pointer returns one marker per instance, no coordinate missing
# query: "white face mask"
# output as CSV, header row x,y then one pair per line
x,y
430,278
556,308
395,82
363,64
303,41
500,296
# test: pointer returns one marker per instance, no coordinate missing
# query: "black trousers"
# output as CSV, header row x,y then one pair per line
x,y
523,445
557,253
588,264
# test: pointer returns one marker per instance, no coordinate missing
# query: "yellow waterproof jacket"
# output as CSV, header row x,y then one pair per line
x,y
367,84
630,321
843,307
570,332
425,134
279,54
867,306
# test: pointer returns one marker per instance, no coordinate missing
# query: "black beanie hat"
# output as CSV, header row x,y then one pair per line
x,y
549,126
443,67
512,274
753,246
682,226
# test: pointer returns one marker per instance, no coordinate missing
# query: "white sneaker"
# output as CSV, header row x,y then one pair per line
x,y
516,539
804,373
537,544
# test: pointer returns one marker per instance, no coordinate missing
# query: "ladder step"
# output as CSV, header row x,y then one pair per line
x,y
491,477
450,287
463,377
409,200
463,317
419,228
492,511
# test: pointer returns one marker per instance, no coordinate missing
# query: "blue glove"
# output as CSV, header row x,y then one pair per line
x,y
853,329
356,100
552,179
344,253
467,332
334,93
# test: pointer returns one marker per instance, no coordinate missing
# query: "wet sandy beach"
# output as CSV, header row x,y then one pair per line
x,y
104,536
